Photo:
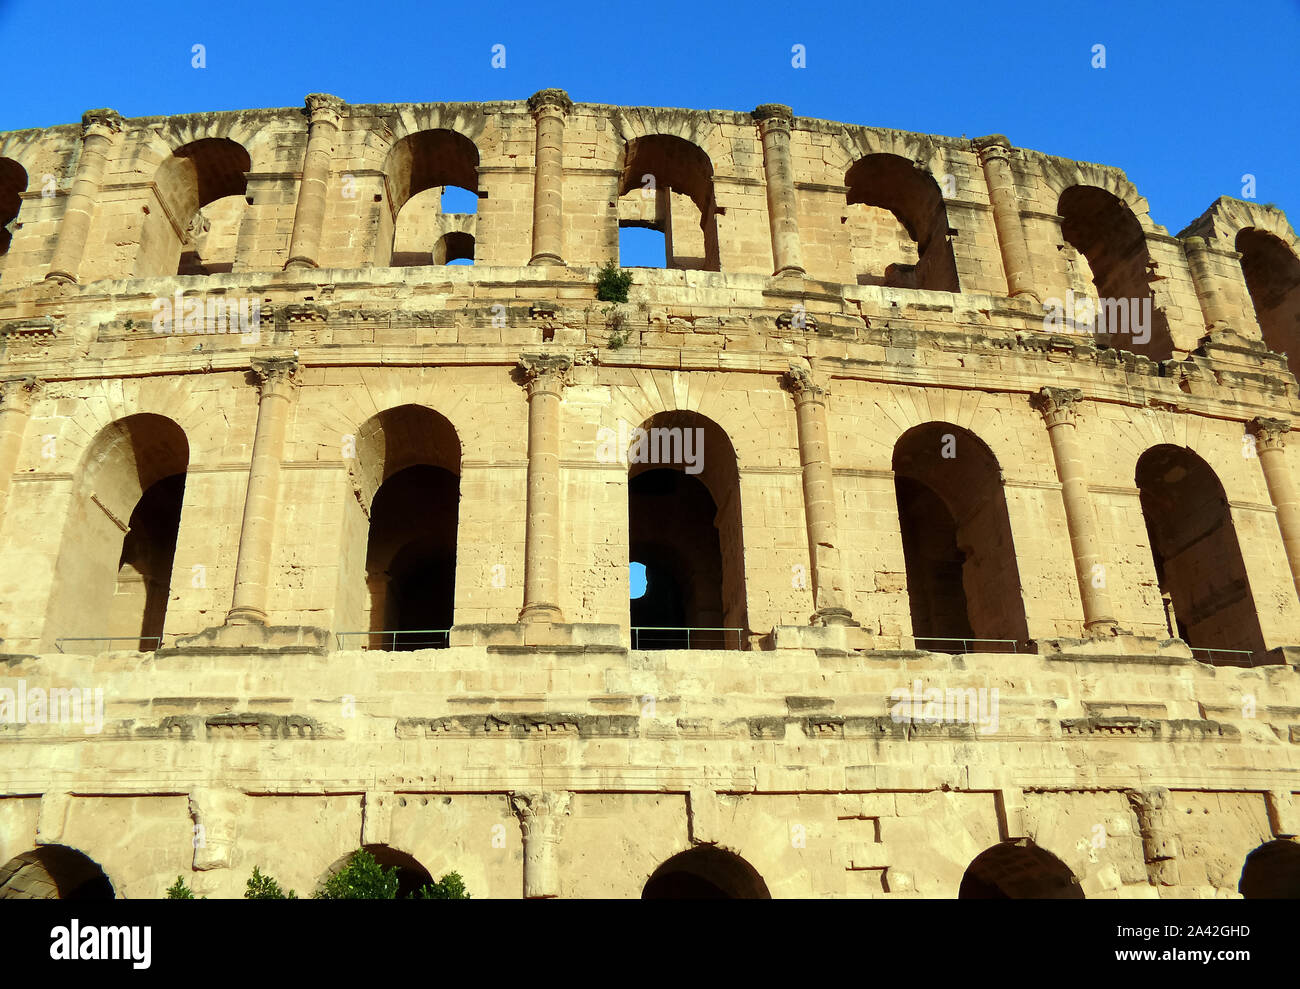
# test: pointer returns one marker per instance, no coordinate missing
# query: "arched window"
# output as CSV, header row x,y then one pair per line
x,y
432,181
13,183
1272,872
202,189
706,872
113,575
53,872
408,463
1018,872
962,579
1109,273
684,526
1198,562
1272,273
667,186
898,225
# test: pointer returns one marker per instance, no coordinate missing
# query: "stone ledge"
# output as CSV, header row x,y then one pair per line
x,y
231,640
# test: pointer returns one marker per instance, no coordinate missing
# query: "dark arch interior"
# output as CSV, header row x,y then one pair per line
x,y
962,576
1102,228
894,183
411,559
148,550
54,872
1272,273
706,873
679,166
454,246
1272,872
13,182
1018,872
1197,558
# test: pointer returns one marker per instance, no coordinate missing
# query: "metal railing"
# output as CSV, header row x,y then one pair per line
x,y
142,642
680,637
1229,657
966,645
396,640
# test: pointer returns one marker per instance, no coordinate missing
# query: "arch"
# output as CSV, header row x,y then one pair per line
x,y
13,183
705,872
900,237
1272,271
183,236
1112,264
963,581
112,577
54,872
1198,563
684,524
408,477
680,203
422,161
1018,871
411,875
1272,872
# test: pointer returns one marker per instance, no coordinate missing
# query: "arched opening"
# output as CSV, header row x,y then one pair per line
x,y
202,191
705,872
684,527
411,456
1198,563
432,182
898,225
53,872
13,183
1272,872
113,575
411,875
1110,273
667,186
1013,871
1272,273
963,582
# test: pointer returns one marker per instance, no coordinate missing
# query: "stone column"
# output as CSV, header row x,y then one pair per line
x,y
1057,406
323,113
818,498
16,397
97,130
549,107
1270,444
1211,291
252,571
774,121
1159,831
543,376
540,814
995,158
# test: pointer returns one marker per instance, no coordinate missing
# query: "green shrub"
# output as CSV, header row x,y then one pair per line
x,y
361,879
262,887
612,283
179,890
449,887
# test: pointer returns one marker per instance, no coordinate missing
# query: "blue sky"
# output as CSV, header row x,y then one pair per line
x,y
1193,95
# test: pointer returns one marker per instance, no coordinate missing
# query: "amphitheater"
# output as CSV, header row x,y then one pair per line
x,y
970,537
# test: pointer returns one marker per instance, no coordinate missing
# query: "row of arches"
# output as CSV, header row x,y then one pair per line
x,y
1007,871
895,213
685,534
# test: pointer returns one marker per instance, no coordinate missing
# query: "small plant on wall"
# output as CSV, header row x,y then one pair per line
x,y
612,283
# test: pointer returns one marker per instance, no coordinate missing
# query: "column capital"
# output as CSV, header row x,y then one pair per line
x,y
543,372
102,122
1057,405
554,100
992,146
322,107
19,393
799,381
768,115
1270,434
275,375
540,813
